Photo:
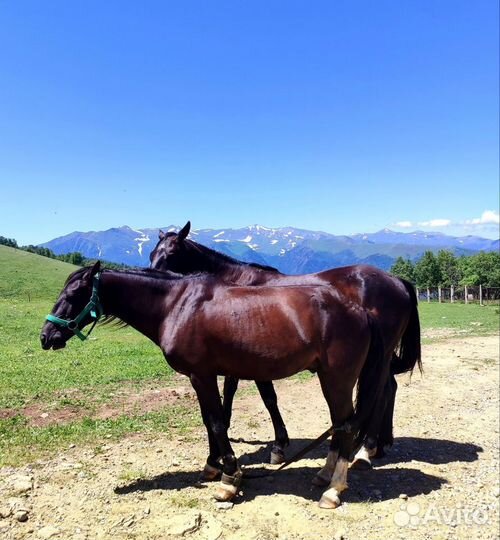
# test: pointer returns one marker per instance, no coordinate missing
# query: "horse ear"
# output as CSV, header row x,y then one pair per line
x,y
182,234
96,268
161,234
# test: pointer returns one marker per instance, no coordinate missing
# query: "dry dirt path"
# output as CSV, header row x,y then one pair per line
x,y
440,480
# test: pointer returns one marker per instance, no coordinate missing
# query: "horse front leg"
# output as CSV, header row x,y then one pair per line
x,y
213,468
281,440
339,401
213,417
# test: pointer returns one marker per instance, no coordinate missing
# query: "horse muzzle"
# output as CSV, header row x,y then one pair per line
x,y
52,340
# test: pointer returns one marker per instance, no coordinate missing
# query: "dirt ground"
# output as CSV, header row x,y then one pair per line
x,y
440,479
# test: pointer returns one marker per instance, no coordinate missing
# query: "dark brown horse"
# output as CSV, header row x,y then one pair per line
x,y
206,328
392,301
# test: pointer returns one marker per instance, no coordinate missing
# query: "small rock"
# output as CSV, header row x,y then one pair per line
x,y
227,505
48,531
181,525
22,484
403,496
5,512
21,516
147,510
159,450
71,446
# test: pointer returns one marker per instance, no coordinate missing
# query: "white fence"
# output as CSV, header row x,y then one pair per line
x,y
465,295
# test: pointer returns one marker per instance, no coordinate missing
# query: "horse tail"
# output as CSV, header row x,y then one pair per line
x,y
410,353
371,383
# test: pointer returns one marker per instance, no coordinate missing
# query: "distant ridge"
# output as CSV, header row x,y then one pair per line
x,y
289,249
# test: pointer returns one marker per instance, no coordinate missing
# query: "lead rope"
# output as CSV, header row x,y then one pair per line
x,y
347,427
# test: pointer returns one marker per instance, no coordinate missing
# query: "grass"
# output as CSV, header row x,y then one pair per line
x,y
87,374
471,319
21,443
109,360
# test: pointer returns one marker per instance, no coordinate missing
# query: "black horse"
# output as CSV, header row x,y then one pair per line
x,y
392,301
206,328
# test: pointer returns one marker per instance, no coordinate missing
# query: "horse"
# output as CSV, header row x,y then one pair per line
x,y
207,328
391,301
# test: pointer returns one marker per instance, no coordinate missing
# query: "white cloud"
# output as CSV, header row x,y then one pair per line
x,y
487,217
487,225
435,223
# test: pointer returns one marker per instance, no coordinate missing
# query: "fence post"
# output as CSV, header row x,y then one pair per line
x,y
452,292
428,294
466,295
480,295
439,293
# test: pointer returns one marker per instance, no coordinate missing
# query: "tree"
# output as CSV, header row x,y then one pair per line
x,y
448,267
75,258
8,242
427,273
403,269
481,269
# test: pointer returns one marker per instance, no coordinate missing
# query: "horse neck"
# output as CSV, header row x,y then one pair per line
x,y
135,300
231,271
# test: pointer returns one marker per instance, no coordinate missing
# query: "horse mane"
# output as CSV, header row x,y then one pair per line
x,y
218,257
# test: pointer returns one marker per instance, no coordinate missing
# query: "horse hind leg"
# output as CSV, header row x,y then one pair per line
x,y
380,430
281,440
230,387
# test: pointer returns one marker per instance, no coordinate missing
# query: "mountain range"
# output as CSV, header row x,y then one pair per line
x,y
291,250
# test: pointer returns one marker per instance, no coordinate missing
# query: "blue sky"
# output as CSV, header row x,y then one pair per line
x,y
337,116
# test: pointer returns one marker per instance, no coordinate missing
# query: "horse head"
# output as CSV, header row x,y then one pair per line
x,y
170,251
77,306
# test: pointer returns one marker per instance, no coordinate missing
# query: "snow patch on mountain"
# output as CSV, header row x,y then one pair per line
x,y
142,239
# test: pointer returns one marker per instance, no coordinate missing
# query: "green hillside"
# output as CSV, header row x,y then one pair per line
x,y
29,286
26,276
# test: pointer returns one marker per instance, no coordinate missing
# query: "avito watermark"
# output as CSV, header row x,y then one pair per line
x,y
412,515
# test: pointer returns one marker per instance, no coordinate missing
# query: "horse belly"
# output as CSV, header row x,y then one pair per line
x,y
263,353
247,365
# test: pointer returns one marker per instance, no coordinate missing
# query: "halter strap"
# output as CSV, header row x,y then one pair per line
x,y
94,308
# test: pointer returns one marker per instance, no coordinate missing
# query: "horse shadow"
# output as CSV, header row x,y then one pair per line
x,y
404,450
381,484
376,484
432,451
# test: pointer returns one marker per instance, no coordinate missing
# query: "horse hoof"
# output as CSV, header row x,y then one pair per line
x,y
228,487
360,464
362,460
277,458
225,492
320,481
329,501
209,473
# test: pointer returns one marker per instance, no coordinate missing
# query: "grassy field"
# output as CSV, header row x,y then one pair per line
x,y
109,362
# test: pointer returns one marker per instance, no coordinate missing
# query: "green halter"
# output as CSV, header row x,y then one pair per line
x,y
94,307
